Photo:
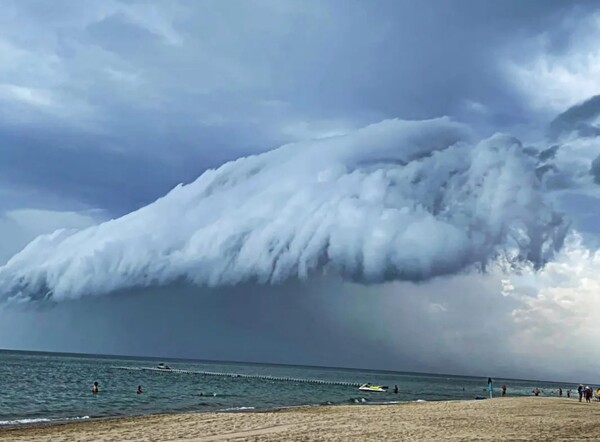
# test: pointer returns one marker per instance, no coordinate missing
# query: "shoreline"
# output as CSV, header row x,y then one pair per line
x,y
236,410
523,418
233,410
249,410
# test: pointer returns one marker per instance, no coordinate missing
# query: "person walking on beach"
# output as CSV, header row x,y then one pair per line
x,y
580,391
139,389
560,391
569,392
95,388
490,387
503,390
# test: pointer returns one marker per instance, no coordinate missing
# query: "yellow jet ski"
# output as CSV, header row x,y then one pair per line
x,y
369,387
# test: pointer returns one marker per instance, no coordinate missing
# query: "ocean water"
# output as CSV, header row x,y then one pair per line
x,y
43,387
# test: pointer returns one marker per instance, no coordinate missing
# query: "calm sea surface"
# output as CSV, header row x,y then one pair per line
x,y
41,387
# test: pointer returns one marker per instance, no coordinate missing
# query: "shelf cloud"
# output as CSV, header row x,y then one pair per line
x,y
396,200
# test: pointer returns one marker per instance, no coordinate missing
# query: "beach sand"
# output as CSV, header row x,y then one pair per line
x,y
488,420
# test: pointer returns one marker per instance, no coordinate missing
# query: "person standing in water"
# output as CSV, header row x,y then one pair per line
x,y
490,387
503,390
139,389
395,389
95,388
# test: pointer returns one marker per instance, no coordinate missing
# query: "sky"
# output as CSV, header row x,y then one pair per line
x,y
394,184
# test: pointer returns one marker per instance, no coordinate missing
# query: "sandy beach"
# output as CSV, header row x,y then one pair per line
x,y
490,420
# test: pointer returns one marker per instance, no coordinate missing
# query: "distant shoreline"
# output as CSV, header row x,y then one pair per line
x,y
523,418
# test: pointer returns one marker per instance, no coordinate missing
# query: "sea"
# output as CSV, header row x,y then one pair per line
x,y
46,387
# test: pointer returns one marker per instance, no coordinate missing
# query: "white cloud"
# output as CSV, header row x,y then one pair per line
x,y
299,130
121,76
49,69
556,80
156,17
557,319
476,107
398,199
18,64
33,97
34,84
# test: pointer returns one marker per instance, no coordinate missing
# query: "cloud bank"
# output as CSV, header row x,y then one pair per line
x,y
405,200
558,305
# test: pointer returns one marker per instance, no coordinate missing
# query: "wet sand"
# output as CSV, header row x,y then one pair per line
x,y
488,420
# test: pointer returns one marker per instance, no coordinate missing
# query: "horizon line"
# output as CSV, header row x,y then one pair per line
x,y
189,359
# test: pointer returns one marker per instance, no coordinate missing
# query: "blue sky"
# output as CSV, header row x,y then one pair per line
x,y
106,106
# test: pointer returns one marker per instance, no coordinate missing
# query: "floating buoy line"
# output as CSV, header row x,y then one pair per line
x,y
242,375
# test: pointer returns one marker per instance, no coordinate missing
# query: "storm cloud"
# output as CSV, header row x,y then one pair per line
x,y
288,181
396,200
119,102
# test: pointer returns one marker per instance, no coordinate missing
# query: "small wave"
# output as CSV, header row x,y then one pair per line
x,y
386,402
40,420
359,400
221,395
238,409
205,404
420,400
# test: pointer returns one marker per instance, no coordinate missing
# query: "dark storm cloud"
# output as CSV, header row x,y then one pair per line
x,y
459,325
95,170
110,104
578,118
179,87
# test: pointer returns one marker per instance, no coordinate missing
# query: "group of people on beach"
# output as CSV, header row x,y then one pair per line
x,y
586,392
95,389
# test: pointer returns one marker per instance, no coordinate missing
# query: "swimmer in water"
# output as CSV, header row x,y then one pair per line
x,y
139,389
95,388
